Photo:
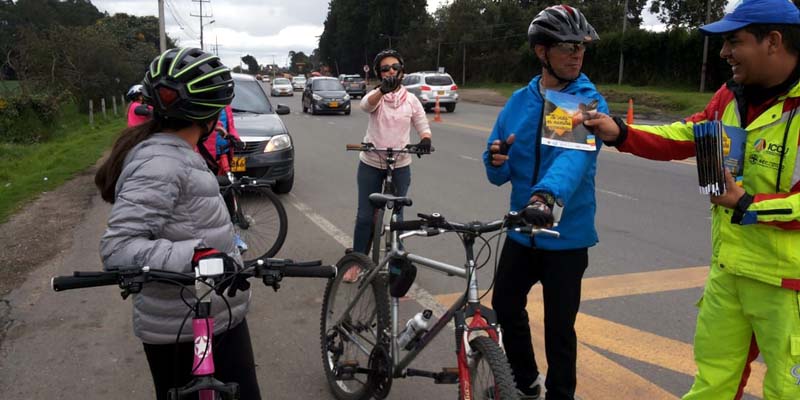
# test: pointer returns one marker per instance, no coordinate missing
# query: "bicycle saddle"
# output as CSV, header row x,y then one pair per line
x,y
379,200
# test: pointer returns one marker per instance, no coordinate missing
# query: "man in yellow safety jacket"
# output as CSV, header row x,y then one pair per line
x,y
752,296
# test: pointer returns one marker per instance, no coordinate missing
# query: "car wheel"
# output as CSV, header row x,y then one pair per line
x,y
347,112
284,186
450,107
312,109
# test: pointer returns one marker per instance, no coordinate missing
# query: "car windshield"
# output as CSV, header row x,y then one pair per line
x,y
249,97
438,80
299,79
281,81
328,85
354,79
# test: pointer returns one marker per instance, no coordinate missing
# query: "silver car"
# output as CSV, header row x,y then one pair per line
x,y
299,82
282,87
427,85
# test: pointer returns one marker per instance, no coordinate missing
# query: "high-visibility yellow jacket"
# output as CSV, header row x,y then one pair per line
x,y
766,245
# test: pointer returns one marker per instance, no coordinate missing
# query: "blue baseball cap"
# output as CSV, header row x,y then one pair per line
x,y
755,12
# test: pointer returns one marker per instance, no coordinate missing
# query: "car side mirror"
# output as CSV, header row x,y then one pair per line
x,y
283,109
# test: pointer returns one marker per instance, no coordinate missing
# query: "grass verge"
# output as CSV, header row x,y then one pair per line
x,y
652,102
28,170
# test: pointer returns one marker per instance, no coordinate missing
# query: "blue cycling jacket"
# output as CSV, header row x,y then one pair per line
x,y
566,173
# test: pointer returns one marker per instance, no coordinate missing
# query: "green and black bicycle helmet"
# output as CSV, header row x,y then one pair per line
x,y
376,64
560,23
188,84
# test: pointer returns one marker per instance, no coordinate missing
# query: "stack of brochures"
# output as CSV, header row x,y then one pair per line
x,y
717,147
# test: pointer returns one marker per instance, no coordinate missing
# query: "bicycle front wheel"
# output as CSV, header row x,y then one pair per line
x,y
260,222
347,346
489,373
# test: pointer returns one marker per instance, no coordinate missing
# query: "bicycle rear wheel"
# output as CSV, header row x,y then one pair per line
x,y
347,347
489,373
260,221
377,234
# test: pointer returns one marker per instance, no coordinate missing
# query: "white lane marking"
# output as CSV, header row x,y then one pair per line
x,y
418,294
331,123
468,157
617,194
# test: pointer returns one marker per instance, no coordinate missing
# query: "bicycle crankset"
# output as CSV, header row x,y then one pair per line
x,y
380,372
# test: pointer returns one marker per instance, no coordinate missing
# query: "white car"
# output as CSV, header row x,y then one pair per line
x,y
281,87
299,82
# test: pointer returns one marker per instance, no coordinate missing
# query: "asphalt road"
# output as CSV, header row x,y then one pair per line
x,y
636,323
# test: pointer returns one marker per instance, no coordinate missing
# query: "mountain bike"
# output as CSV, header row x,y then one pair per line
x,y
258,216
389,155
361,352
205,278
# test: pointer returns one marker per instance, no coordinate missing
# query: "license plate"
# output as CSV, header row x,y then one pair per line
x,y
239,164
333,104
441,93
354,85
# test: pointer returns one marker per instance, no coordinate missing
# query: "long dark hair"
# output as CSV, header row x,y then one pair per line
x,y
108,174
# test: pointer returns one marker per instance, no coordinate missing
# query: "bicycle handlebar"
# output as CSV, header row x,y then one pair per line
x,y
130,279
512,220
369,147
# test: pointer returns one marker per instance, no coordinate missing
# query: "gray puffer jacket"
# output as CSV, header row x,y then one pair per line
x,y
167,205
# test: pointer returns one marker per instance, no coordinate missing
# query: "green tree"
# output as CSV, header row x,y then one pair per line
x,y
252,64
299,63
686,13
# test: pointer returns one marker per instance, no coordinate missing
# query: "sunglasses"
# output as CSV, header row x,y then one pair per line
x,y
569,47
396,66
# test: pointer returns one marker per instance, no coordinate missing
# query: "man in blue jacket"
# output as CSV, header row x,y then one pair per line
x,y
542,178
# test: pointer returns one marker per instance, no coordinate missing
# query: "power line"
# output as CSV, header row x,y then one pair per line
x,y
176,17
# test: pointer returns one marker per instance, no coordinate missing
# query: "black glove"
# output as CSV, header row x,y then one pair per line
x,y
389,84
504,148
539,214
142,111
230,279
423,147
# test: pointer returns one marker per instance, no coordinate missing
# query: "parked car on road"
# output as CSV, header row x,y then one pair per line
x,y
354,85
426,85
268,151
299,82
325,95
282,87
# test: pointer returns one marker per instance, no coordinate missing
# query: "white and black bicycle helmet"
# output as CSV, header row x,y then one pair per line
x,y
561,23
376,64
134,92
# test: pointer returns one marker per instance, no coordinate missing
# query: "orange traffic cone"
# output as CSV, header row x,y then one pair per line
x,y
438,117
629,119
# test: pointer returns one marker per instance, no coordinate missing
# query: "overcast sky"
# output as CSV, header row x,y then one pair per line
x,y
266,29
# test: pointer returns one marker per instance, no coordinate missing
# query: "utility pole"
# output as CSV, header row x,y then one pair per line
x,y
201,16
705,49
162,35
464,64
622,43
438,54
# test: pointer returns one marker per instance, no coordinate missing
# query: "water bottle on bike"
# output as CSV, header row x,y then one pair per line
x,y
415,327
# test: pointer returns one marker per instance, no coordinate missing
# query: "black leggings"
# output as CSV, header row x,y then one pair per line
x,y
171,364
560,273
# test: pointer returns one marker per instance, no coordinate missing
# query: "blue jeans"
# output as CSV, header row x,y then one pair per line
x,y
370,180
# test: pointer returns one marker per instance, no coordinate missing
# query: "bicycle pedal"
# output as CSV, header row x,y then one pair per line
x,y
447,376
346,370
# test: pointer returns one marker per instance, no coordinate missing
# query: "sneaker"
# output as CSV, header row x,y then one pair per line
x,y
237,240
534,391
353,274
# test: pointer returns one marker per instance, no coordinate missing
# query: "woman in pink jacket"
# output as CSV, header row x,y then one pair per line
x,y
392,112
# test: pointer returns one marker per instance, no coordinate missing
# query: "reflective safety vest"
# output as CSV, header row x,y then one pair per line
x,y
766,246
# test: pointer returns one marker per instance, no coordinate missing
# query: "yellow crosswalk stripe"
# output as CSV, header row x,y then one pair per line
x,y
601,378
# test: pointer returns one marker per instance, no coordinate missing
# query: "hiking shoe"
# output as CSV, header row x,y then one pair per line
x,y
534,391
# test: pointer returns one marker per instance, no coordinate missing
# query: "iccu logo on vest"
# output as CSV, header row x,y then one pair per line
x,y
772,148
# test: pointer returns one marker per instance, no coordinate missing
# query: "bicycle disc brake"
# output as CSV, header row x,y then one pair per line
x,y
380,372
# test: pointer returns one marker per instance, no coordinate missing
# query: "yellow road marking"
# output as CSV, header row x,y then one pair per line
x,y
601,378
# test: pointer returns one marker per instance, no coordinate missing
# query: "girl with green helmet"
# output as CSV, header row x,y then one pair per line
x,y
167,214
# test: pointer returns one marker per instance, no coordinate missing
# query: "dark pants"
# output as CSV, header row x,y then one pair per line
x,y
560,273
171,365
369,181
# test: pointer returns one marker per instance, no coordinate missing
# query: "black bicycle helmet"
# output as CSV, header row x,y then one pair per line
x,y
134,92
376,65
560,23
188,84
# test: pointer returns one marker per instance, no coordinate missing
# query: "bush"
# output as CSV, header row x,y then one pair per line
x,y
29,118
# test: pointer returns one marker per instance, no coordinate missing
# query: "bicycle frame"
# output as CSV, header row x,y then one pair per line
x,y
468,305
